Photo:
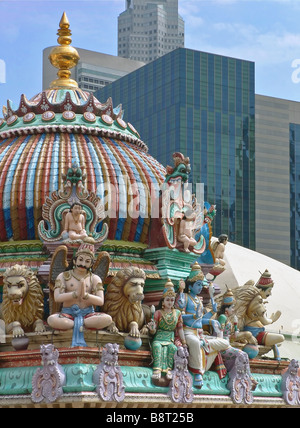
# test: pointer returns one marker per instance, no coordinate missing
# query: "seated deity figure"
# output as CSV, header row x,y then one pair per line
x,y
219,249
231,333
187,230
165,325
203,350
79,291
252,313
74,227
229,322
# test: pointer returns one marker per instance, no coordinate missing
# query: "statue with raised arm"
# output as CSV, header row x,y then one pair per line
x,y
252,315
203,350
166,322
79,291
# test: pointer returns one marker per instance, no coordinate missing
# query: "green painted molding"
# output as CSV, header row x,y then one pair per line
x,y
21,247
17,381
171,264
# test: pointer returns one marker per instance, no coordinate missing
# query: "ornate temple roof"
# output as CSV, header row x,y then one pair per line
x,y
41,139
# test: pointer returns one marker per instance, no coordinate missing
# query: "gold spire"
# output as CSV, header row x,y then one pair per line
x,y
64,57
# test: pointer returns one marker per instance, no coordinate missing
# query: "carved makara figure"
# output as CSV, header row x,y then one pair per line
x,y
108,376
48,382
79,290
240,382
181,387
290,385
23,302
123,302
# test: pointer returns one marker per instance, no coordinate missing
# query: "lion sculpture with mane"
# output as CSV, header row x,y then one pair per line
x,y
123,302
23,302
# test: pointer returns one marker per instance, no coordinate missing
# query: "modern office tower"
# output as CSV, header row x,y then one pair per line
x,y
149,29
278,179
202,105
93,71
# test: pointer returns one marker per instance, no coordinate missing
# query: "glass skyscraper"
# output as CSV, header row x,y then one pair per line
x,y
295,194
148,29
202,105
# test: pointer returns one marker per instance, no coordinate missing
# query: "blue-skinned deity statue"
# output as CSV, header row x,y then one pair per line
x,y
203,350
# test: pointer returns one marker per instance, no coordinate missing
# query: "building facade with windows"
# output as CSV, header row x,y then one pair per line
x,y
202,105
93,71
278,179
148,29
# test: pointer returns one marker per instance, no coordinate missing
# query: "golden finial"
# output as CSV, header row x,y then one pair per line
x,y
64,57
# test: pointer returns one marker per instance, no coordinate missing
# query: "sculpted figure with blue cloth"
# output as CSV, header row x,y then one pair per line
x,y
203,350
79,290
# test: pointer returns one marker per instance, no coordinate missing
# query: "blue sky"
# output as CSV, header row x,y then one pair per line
x,y
264,31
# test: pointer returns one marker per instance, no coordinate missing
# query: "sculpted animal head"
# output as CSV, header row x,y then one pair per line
x,y
293,368
180,171
124,296
110,354
23,298
49,355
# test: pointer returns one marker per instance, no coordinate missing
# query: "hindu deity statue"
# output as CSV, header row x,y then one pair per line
x,y
79,290
203,350
74,225
229,322
252,313
165,325
231,333
182,216
219,249
187,230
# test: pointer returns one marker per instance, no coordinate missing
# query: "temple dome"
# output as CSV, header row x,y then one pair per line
x,y
42,137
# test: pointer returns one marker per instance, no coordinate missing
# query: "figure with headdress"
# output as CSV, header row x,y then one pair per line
x,y
203,350
79,291
229,322
252,313
165,325
231,333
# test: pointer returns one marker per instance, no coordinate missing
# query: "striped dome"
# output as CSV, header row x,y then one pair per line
x,y
39,142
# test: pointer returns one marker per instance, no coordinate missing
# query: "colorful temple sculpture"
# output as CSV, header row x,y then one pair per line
x,y
109,271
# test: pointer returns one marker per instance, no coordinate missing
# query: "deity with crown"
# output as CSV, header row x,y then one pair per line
x,y
79,290
165,325
203,350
